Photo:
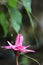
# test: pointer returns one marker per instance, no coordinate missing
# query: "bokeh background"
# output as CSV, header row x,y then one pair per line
x,y
35,39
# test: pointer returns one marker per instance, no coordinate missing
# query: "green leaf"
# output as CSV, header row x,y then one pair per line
x,y
12,3
27,5
16,19
3,23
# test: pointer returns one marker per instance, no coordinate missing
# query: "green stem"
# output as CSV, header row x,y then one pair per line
x,y
32,59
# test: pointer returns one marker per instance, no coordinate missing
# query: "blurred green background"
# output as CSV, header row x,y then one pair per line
x,y
25,17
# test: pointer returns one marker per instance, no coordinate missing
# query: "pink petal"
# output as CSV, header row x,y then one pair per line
x,y
25,51
29,50
19,40
6,47
18,48
26,46
14,47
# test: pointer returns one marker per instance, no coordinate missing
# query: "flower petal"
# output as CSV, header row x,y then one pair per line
x,y
26,46
26,50
6,47
9,43
19,40
29,50
14,47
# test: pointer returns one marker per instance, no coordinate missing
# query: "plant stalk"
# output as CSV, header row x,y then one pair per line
x,y
17,58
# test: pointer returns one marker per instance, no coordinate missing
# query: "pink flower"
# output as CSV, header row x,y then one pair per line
x,y
18,45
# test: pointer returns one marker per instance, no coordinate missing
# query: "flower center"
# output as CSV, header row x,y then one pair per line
x,y
19,47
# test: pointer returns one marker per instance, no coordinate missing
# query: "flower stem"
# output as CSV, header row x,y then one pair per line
x,y
16,58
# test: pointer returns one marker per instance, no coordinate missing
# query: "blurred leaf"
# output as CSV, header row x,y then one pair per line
x,y
3,23
16,19
33,29
32,22
12,3
27,5
3,1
